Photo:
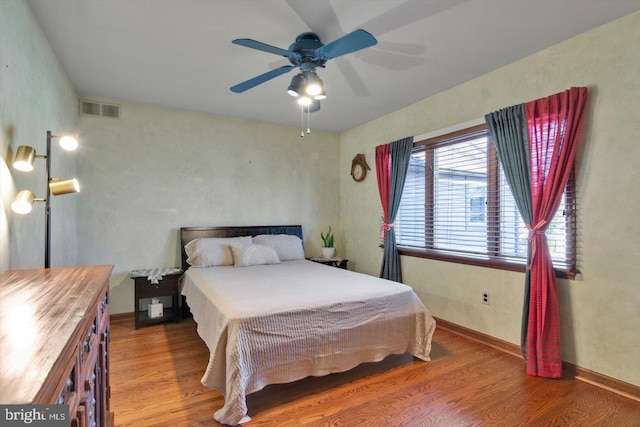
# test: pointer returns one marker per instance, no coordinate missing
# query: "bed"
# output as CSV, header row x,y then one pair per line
x,y
278,322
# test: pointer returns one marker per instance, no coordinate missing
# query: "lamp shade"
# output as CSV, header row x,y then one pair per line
x,y
295,87
314,84
69,141
67,186
321,95
22,203
25,157
314,106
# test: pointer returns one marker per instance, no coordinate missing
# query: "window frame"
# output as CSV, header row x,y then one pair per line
x,y
492,259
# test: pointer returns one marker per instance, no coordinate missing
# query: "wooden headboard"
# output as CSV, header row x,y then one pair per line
x,y
187,234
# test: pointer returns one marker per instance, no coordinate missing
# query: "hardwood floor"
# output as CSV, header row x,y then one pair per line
x,y
156,371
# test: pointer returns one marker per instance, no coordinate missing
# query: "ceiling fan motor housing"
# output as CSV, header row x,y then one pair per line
x,y
305,46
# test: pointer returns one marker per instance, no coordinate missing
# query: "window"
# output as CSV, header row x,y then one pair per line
x,y
457,206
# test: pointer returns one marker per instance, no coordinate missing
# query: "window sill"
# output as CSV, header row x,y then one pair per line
x,y
479,261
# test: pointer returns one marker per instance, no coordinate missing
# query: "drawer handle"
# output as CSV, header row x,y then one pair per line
x,y
103,304
87,342
88,384
66,391
87,345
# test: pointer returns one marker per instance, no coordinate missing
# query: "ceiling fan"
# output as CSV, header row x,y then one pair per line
x,y
306,53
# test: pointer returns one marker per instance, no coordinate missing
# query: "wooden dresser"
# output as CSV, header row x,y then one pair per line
x,y
54,340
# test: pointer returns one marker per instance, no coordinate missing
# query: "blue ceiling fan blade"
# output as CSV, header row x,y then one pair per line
x,y
356,40
241,87
265,47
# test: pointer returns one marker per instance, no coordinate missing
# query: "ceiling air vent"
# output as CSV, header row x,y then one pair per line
x,y
112,111
88,108
98,109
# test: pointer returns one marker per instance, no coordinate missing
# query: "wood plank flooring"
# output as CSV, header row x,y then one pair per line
x,y
156,371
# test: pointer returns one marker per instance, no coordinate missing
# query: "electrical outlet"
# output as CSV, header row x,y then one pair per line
x,y
485,298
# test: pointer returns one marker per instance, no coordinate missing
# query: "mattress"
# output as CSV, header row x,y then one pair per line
x,y
272,324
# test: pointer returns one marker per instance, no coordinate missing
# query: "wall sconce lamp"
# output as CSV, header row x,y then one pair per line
x,y
25,157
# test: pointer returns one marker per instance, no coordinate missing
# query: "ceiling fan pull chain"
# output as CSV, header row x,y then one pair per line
x,y
308,120
302,122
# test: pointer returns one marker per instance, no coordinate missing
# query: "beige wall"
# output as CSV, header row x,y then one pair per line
x,y
155,170
600,321
35,96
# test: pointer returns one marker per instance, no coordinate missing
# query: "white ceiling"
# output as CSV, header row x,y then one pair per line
x,y
178,53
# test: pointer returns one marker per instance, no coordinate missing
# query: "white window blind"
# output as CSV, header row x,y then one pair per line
x,y
457,203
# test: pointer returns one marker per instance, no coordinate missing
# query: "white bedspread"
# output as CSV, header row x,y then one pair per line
x,y
280,323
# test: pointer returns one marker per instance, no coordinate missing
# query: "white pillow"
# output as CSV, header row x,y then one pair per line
x,y
245,256
287,246
213,251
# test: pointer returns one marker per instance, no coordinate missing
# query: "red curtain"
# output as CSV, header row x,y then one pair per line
x,y
554,128
383,173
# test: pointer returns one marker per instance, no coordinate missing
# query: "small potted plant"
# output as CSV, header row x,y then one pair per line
x,y
328,251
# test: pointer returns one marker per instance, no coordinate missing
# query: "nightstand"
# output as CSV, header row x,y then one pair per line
x,y
167,286
333,262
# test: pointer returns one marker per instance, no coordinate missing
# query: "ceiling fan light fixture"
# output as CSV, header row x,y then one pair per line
x,y
296,85
321,95
315,106
314,84
314,89
304,101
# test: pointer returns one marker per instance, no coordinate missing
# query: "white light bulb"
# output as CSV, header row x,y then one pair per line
x,y
23,166
21,207
23,202
69,142
304,101
314,89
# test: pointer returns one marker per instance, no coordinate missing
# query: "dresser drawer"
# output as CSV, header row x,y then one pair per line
x,y
69,385
103,315
68,389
